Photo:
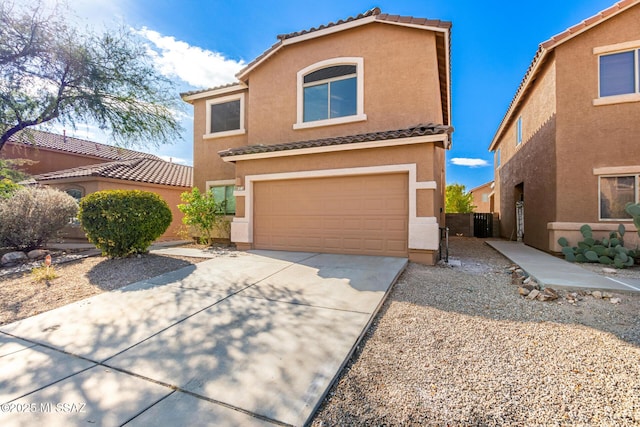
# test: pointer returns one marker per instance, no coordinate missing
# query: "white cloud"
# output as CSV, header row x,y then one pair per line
x,y
196,66
472,163
176,160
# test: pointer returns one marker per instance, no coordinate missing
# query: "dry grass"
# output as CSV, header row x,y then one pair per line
x,y
23,295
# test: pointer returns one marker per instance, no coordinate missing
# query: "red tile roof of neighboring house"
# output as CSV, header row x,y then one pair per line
x,y
68,144
420,130
546,47
153,171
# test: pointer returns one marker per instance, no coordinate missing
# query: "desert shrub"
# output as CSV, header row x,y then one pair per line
x,y
8,188
33,215
205,214
123,222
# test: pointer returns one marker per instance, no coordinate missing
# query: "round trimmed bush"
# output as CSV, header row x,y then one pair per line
x,y
32,215
123,222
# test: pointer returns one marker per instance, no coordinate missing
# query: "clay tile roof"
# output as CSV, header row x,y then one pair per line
x,y
372,12
153,171
420,130
195,92
375,13
52,141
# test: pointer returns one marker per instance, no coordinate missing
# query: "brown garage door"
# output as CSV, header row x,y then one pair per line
x,y
352,215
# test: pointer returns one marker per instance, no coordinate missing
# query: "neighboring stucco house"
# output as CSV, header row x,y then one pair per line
x,y
567,148
53,152
333,140
483,198
168,180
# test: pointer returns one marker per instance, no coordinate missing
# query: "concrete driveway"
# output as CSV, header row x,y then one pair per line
x,y
246,339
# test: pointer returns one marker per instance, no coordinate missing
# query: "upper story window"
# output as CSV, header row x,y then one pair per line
x,y
225,116
519,131
498,159
330,92
618,73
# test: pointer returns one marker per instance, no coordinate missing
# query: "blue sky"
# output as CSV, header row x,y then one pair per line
x,y
201,44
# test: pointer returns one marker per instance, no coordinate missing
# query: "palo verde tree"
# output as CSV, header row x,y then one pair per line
x,y
51,71
458,200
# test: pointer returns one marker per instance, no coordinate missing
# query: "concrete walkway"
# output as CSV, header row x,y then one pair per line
x,y
243,339
556,272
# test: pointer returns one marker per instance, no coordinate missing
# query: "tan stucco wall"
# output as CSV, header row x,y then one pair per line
x,y
47,160
171,195
429,201
401,86
531,163
591,136
392,99
571,139
477,194
207,165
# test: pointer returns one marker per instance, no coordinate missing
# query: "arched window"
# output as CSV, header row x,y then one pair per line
x,y
331,92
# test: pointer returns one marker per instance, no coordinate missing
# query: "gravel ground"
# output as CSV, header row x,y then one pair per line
x,y
459,346
21,296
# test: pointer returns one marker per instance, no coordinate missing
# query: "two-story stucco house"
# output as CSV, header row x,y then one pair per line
x,y
333,140
567,151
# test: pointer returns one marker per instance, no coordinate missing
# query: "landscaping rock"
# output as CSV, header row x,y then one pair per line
x,y
607,295
524,291
533,294
608,270
597,294
549,294
615,300
12,258
37,254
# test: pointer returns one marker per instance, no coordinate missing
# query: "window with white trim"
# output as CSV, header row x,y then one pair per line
x,y
519,131
225,116
330,92
222,192
498,159
619,74
615,193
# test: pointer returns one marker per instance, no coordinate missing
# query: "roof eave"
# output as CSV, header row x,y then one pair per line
x,y
243,74
213,92
546,47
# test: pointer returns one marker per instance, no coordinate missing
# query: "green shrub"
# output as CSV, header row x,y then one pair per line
x,y
123,222
8,188
609,251
32,215
204,213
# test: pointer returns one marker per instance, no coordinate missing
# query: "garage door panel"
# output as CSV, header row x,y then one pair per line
x,y
356,215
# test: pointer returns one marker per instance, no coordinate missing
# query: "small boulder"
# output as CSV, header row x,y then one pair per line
x,y
12,258
37,254
607,295
548,294
615,300
533,294
524,291
596,294
607,270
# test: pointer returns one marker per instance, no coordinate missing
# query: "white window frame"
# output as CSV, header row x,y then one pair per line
x,y
221,183
498,159
630,46
359,116
224,99
519,131
637,191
